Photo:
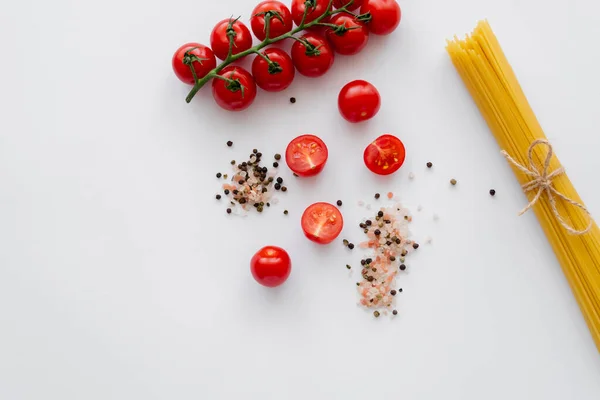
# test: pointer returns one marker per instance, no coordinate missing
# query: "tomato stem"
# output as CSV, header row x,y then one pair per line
x,y
231,58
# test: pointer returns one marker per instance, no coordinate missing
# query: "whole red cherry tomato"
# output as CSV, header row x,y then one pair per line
x,y
236,94
341,3
359,101
306,155
219,38
385,15
322,223
314,59
273,77
319,8
193,54
385,155
350,37
280,17
271,266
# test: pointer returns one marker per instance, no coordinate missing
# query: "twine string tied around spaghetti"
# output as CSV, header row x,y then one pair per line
x,y
542,182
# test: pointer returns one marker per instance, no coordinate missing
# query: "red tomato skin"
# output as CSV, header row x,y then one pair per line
x,y
385,15
298,7
183,71
331,235
315,65
271,266
372,152
219,41
341,3
277,28
359,101
273,82
353,40
234,101
306,172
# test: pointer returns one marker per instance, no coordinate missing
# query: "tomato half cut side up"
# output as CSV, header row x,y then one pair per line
x,y
306,155
322,223
385,155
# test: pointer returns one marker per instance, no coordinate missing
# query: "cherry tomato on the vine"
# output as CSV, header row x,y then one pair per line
x,y
322,223
385,155
306,155
219,38
341,3
359,101
385,15
193,54
271,266
350,37
281,19
319,8
273,77
237,92
315,59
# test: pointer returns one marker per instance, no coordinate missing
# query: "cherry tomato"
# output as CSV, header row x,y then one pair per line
x,y
359,101
219,41
278,76
385,15
298,7
385,155
281,19
271,266
350,39
341,3
195,54
306,155
239,93
315,60
322,223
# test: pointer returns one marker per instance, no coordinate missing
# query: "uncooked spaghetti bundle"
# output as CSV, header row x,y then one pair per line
x,y
574,236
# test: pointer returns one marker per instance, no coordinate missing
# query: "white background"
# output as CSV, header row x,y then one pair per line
x,y
121,277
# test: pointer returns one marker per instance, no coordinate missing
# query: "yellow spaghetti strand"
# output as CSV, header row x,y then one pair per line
x,y
492,83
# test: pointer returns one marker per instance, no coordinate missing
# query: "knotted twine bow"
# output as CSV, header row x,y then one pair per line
x,y
542,182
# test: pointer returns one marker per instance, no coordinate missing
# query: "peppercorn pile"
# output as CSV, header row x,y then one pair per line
x,y
387,235
252,184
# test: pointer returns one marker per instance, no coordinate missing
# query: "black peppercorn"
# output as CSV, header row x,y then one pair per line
x,y
284,188
230,143
492,192
292,100
226,191
218,197
277,186
377,196
276,164
395,312
415,246
339,203
402,267
219,175
380,214
351,246
377,232
229,211
429,165
368,222
280,180
286,212
393,292
278,156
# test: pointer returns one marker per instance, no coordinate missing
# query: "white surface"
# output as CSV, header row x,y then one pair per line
x,y
122,278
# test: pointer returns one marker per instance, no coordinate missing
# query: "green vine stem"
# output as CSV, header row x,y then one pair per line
x,y
256,49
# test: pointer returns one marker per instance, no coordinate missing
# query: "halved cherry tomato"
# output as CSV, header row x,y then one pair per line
x,y
319,8
359,101
281,19
273,77
322,223
385,155
313,60
351,36
306,155
385,15
237,94
197,55
271,266
341,3
219,40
